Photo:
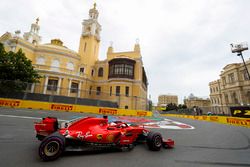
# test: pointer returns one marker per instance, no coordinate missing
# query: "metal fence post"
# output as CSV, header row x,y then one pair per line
x,y
26,91
135,102
119,101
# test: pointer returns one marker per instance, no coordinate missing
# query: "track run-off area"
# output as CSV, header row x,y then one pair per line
x,y
197,143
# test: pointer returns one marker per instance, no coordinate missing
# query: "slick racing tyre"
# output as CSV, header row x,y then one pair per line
x,y
52,147
154,141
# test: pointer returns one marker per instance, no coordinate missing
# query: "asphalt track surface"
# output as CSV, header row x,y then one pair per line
x,y
209,144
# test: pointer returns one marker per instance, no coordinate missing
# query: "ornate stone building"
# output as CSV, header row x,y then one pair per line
x,y
193,101
119,78
232,89
163,100
215,96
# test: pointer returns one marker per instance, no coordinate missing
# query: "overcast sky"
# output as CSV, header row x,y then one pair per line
x,y
184,43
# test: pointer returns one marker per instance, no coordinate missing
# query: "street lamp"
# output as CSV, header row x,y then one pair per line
x,y
239,48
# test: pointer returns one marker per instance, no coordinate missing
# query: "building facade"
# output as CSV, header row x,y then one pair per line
x,y
232,89
193,101
119,78
216,96
163,100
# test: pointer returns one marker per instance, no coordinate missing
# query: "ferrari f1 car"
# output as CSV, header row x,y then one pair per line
x,y
91,132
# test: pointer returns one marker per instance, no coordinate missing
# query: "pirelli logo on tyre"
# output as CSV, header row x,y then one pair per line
x,y
10,103
61,107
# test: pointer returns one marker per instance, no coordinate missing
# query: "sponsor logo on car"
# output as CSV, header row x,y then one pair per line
x,y
99,136
110,137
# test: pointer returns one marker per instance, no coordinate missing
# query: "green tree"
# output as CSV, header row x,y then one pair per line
x,y
182,106
15,71
171,106
150,105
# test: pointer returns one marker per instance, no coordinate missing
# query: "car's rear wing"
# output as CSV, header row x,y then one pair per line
x,y
45,127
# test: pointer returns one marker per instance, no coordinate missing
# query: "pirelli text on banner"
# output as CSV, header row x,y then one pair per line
x,y
61,107
10,103
108,111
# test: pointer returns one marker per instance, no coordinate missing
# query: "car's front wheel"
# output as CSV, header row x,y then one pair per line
x,y
154,141
52,147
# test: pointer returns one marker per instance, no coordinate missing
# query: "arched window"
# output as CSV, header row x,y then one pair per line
x,y
100,72
212,100
40,60
82,70
234,98
90,90
226,99
55,65
70,66
85,46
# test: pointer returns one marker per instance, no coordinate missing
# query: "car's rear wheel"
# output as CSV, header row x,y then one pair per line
x,y
52,147
154,141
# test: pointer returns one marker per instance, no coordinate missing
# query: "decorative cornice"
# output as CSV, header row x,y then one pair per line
x,y
123,80
65,54
38,48
59,74
25,44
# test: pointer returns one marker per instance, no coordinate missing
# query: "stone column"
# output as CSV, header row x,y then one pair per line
x,y
70,80
139,70
59,86
45,84
241,98
79,89
32,88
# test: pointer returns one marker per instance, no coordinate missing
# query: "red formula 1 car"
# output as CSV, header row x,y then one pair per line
x,y
92,132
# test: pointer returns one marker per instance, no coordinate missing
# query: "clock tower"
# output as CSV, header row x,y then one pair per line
x,y
90,41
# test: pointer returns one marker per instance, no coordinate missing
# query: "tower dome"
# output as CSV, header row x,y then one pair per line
x,y
91,27
33,35
93,13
